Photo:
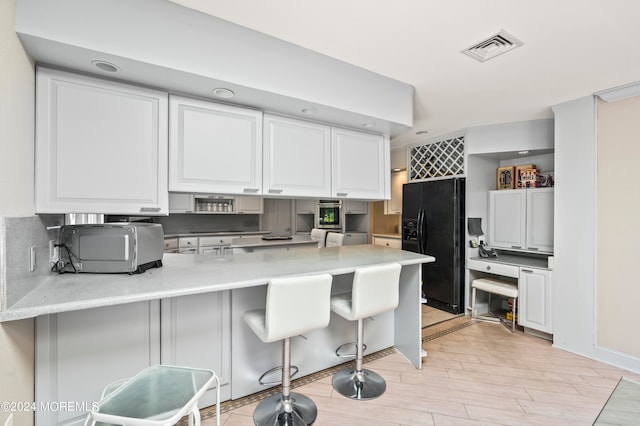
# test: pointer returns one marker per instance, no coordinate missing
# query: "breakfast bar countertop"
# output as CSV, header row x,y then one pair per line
x,y
186,274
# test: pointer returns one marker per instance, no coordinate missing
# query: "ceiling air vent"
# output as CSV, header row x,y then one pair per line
x,y
493,46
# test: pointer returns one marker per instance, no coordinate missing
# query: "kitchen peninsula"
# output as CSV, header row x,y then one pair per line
x,y
85,319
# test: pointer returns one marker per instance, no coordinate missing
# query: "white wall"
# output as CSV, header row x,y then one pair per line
x,y
17,92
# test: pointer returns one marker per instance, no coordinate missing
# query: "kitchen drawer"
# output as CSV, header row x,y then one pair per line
x,y
171,245
216,241
388,242
494,268
188,242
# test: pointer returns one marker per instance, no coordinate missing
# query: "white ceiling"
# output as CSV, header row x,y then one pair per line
x,y
572,48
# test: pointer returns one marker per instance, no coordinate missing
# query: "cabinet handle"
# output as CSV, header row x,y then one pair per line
x,y
516,247
342,194
533,248
149,209
488,268
275,191
250,190
528,271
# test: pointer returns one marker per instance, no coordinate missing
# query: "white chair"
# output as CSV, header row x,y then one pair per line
x,y
494,286
335,239
159,395
319,235
295,305
375,289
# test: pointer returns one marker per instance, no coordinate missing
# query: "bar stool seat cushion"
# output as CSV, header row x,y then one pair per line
x,y
285,316
495,286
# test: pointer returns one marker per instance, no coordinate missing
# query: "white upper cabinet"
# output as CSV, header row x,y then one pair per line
x,y
360,165
101,146
540,219
521,219
249,205
297,158
507,228
214,148
394,205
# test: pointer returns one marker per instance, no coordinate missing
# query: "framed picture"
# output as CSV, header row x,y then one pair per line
x,y
505,178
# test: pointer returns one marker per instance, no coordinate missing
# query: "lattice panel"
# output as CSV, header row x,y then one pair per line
x,y
437,159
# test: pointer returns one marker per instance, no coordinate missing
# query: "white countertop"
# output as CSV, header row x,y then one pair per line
x,y
249,242
515,260
185,274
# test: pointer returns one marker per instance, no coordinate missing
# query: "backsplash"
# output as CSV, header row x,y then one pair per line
x,y
17,235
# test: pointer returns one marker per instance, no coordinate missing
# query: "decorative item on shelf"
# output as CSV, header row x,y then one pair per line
x,y
545,180
518,174
529,178
505,177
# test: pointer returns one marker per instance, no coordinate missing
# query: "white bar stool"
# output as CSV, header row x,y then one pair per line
x,y
334,239
492,285
295,305
375,290
319,235
158,396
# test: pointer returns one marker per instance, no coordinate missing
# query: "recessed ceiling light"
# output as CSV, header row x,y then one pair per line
x,y
105,66
308,111
369,124
422,132
523,152
221,92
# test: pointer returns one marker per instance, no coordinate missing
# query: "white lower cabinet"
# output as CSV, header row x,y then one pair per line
x,y
387,242
535,299
196,332
79,353
355,238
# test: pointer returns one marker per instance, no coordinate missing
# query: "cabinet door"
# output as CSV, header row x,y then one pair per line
x,y
214,148
394,205
101,146
297,158
79,353
180,203
355,238
535,299
360,166
507,213
306,206
540,219
196,332
249,205
356,207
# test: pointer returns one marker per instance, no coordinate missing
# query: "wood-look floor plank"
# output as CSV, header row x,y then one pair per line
x,y
479,374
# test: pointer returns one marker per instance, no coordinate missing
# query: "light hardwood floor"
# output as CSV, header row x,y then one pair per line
x,y
480,374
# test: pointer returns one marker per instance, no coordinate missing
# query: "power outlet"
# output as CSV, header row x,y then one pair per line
x,y
54,253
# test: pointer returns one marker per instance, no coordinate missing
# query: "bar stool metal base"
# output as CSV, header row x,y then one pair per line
x,y
368,386
271,411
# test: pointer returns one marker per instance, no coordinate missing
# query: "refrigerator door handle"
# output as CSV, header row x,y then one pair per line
x,y
421,235
424,232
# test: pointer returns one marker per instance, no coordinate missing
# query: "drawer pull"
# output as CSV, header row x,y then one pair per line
x,y
275,191
528,271
149,209
533,248
250,190
342,194
516,247
488,268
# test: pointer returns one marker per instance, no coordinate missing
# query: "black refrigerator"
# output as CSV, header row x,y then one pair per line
x,y
433,224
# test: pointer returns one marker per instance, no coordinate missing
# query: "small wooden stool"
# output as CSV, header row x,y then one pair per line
x,y
495,286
